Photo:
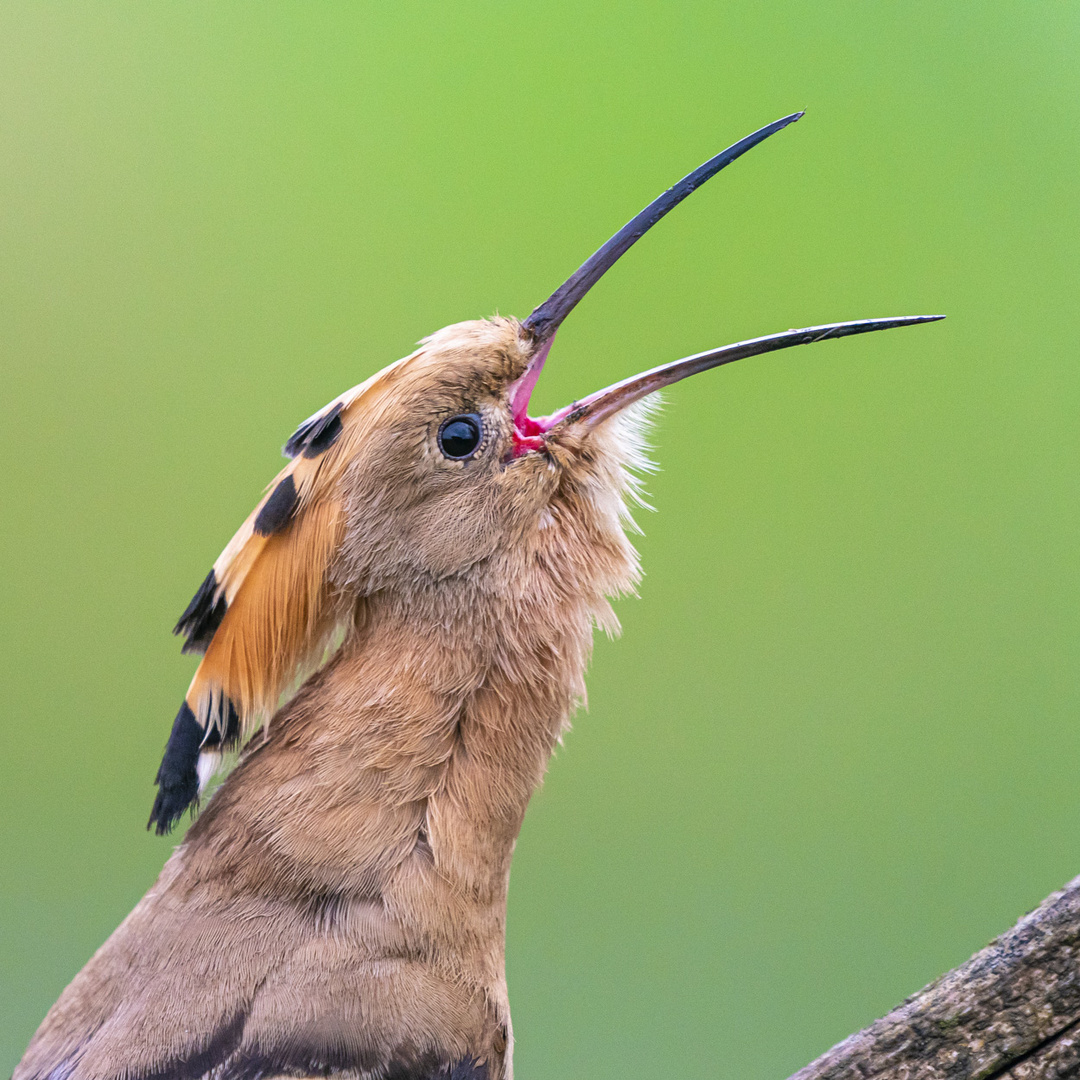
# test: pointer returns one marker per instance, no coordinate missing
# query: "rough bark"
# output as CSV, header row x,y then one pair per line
x,y
1012,1011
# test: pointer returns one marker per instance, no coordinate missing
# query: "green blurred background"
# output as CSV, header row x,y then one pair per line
x,y
837,748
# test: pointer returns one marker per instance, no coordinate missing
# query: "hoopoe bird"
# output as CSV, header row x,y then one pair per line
x,y
432,563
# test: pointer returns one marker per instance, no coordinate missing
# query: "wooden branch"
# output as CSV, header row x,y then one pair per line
x,y
1012,1011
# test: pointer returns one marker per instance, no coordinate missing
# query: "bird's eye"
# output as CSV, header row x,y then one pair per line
x,y
460,436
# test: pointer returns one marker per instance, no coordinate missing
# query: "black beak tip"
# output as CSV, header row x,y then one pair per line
x,y
546,319
886,324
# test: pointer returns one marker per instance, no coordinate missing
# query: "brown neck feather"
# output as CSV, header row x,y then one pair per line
x,y
407,764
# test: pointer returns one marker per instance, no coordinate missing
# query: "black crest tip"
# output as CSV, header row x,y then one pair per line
x,y
178,775
202,616
316,435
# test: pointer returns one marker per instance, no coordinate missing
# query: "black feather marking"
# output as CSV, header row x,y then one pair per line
x,y
278,509
326,436
327,909
314,436
198,1063
202,617
468,1070
293,1058
177,776
224,1055
232,730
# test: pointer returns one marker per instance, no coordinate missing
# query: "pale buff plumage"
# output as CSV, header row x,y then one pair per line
x,y
339,906
346,886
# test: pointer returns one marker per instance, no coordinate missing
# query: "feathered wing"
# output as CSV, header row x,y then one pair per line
x,y
265,612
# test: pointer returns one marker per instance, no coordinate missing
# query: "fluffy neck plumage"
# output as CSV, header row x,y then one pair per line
x,y
414,753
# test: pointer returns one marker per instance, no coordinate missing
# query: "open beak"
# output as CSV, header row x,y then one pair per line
x,y
541,325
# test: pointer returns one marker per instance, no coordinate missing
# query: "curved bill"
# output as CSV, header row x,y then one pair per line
x,y
545,320
598,407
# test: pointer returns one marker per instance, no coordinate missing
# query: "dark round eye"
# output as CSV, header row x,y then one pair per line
x,y
460,436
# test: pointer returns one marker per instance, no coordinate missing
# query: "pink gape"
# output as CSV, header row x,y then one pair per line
x,y
528,433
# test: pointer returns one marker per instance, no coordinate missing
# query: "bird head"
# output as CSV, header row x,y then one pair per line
x,y
429,478
443,477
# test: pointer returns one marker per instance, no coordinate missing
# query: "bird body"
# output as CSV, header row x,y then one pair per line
x,y
342,898
431,565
